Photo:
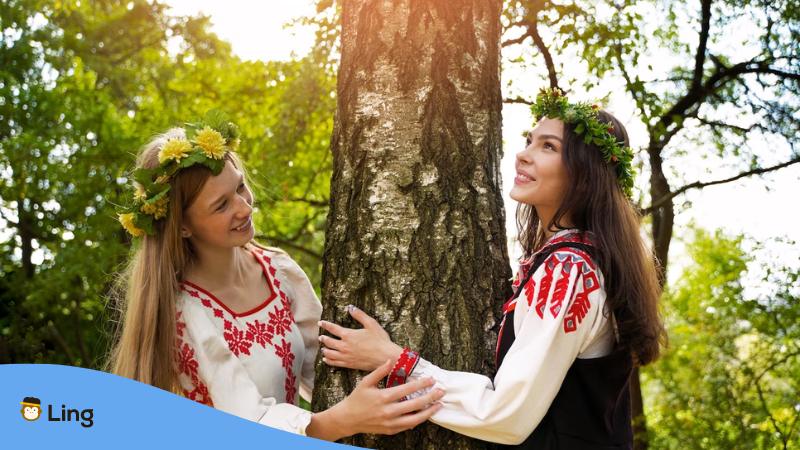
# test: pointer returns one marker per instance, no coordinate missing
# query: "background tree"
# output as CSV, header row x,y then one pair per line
x,y
415,232
82,86
730,379
716,86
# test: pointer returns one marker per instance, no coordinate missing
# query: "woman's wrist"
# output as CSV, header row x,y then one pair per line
x,y
326,425
393,352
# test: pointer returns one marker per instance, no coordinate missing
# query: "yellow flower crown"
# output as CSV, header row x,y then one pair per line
x,y
206,143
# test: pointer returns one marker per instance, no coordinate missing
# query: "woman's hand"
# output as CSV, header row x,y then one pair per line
x,y
363,349
369,409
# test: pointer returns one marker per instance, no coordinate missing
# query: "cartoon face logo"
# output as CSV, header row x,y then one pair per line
x,y
31,408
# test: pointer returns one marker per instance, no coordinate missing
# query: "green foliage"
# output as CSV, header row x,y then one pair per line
x,y
83,85
729,378
746,88
553,104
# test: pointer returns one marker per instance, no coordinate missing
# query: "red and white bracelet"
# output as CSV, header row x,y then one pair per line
x,y
403,367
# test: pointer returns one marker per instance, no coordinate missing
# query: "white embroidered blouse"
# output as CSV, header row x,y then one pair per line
x,y
559,316
255,363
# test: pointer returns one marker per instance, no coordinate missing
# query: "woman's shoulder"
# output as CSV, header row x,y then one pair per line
x,y
265,249
276,257
189,299
568,246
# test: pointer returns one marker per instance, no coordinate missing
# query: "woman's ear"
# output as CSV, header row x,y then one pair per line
x,y
185,233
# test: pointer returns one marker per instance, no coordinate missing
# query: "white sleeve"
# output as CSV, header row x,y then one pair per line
x,y
307,310
210,373
557,315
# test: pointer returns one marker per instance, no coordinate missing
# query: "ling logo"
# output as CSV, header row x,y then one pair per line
x,y
31,408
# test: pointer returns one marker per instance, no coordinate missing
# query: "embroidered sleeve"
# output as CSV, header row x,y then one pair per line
x,y
557,315
307,310
211,374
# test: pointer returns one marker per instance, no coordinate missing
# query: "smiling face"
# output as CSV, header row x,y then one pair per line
x,y
221,214
31,412
542,177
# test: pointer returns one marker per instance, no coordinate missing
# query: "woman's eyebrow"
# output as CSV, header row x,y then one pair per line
x,y
216,202
222,197
549,136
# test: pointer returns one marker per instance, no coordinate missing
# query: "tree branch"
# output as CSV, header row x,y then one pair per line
x,y
716,124
700,55
517,40
317,203
548,58
784,437
59,338
629,85
518,100
698,184
721,75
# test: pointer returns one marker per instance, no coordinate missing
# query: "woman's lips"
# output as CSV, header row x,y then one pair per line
x,y
245,226
523,178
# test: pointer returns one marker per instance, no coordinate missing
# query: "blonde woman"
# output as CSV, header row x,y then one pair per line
x,y
213,315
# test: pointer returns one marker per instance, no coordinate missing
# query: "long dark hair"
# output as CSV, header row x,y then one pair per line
x,y
595,203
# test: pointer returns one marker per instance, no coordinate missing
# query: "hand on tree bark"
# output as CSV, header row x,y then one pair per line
x,y
369,409
363,349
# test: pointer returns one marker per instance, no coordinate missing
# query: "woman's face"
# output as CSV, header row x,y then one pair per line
x,y
221,215
541,179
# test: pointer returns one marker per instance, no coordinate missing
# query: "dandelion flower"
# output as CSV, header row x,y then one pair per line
x,y
212,143
174,149
127,222
157,209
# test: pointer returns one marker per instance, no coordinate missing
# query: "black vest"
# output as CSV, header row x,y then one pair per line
x,y
592,409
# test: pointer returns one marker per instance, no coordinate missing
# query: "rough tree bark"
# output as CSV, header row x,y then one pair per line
x,y
415,233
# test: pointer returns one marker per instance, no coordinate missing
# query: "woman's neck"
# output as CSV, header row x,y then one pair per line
x,y
546,215
217,267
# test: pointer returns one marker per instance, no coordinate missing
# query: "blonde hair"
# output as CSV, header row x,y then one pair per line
x,y
146,292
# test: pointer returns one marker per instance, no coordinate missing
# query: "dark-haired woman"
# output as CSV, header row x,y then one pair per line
x,y
584,310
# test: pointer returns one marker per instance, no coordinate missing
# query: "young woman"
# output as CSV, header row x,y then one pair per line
x,y
212,314
584,310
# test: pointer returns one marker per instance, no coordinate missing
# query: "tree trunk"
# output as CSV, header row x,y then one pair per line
x,y
663,218
664,215
25,224
415,233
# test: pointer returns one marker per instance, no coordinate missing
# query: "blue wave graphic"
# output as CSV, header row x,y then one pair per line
x,y
124,414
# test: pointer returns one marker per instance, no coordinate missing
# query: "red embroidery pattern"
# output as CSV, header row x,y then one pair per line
x,y
281,319
199,393
179,324
187,364
260,333
530,287
588,283
515,282
240,341
585,283
280,323
284,352
237,341
575,236
544,287
560,291
290,385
